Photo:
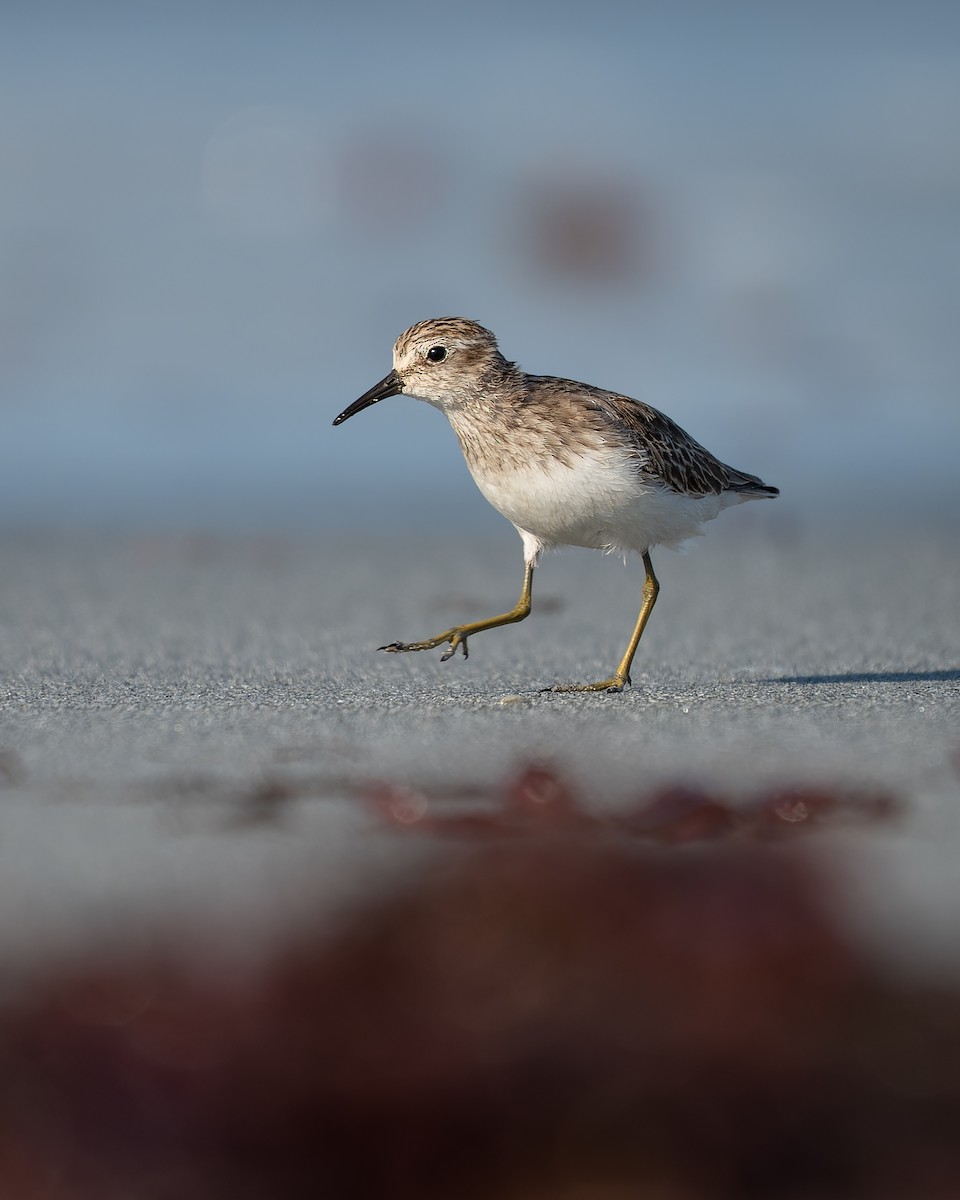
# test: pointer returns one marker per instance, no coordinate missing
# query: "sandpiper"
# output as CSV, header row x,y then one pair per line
x,y
567,463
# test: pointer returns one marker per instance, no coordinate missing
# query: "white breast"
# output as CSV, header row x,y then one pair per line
x,y
600,501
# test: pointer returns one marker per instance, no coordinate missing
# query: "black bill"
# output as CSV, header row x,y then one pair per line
x,y
390,385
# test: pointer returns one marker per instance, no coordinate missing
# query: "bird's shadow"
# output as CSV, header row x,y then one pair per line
x,y
947,676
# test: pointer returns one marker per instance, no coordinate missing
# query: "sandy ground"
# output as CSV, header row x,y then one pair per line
x,y
187,724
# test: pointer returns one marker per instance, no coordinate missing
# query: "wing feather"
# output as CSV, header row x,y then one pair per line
x,y
664,452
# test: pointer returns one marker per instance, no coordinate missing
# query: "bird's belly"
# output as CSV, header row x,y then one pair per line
x,y
600,502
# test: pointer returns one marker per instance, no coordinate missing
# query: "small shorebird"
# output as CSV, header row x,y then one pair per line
x,y
568,464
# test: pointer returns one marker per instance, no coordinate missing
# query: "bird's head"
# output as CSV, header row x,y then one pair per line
x,y
444,361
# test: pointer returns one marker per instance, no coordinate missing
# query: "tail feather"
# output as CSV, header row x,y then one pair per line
x,y
749,485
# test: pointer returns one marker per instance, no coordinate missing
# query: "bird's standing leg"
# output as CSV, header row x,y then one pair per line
x,y
651,589
457,636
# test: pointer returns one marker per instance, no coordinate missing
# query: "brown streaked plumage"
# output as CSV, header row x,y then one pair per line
x,y
565,462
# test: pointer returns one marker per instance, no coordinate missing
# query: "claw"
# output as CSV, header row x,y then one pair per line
x,y
393,648
455,643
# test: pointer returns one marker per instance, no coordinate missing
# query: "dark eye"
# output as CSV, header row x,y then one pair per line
x,y
437,353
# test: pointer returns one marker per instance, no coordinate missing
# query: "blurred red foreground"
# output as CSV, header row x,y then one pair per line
x,y
558,1016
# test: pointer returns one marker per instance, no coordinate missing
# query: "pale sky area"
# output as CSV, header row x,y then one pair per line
x,y
215,220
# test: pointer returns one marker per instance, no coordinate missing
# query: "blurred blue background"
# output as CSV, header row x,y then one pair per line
x,y
215,219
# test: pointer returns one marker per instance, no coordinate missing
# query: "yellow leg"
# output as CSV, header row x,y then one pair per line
x,y
651,589
457,636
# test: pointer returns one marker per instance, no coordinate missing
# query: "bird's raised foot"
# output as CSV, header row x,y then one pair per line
x,y
456,637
